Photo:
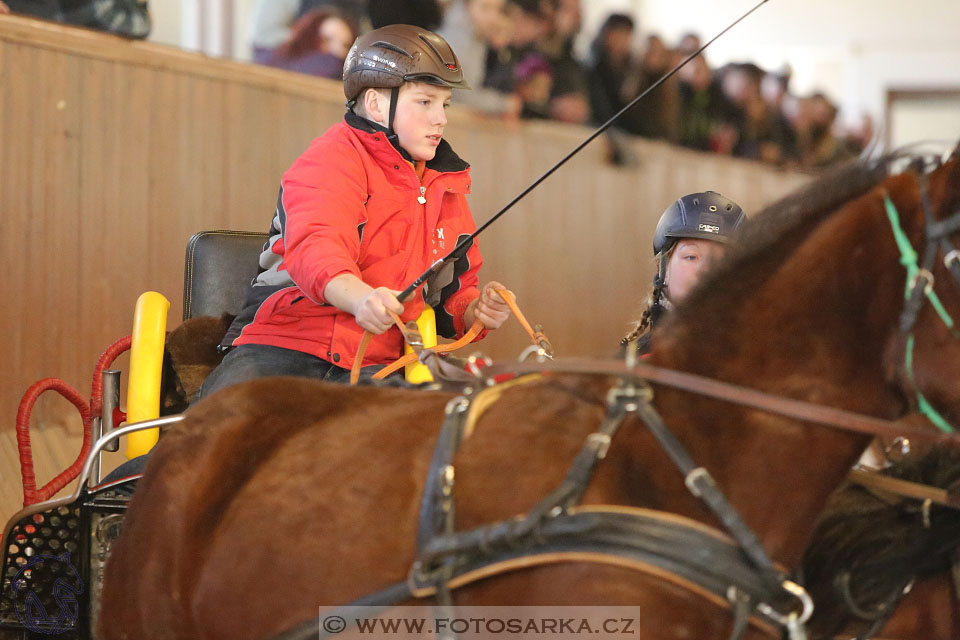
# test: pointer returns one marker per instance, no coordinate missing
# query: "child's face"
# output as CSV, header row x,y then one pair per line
x,y
420,118
691,258
536,89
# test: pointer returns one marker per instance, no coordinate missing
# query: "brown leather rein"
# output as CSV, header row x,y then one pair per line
x,y
744,396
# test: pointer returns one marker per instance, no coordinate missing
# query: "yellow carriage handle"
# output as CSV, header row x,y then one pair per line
x,y
417,372
146,364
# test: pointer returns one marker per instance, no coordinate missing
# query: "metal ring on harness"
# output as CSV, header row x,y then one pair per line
x,y
951,258
792,618
475,370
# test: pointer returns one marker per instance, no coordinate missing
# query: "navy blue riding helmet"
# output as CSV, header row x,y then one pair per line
x,y
707,215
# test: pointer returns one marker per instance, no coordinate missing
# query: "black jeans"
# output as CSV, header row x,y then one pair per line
x,y
251,361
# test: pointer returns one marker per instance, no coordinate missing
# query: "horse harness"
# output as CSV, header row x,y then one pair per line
x,y
920,280
731,569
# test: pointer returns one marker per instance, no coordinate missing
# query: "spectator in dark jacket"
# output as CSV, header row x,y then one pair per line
x,y
611,69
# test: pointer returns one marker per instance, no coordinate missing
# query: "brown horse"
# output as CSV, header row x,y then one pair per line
x,y
281,495
870,545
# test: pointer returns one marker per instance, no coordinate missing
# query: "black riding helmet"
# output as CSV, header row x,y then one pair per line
x,y
707,215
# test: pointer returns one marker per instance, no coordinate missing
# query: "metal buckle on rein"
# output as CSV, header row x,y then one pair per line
x,y
926,275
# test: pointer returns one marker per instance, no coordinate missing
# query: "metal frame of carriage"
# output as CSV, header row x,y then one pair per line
x,y
38,580
219,266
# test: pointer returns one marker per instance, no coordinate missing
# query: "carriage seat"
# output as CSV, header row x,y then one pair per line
x,y
218,270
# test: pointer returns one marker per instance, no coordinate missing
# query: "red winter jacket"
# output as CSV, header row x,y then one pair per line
x,y
350,204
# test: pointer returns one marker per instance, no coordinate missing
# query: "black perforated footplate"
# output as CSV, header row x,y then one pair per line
x,y
54,554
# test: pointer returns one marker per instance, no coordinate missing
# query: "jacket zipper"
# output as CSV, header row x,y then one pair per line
x,y
423,195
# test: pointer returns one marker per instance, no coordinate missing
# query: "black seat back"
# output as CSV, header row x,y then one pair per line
x,y
219,268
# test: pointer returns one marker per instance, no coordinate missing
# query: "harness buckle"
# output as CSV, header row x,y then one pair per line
x,y
793,621
926,275
697,474
642,394
457,405
601,442
953,257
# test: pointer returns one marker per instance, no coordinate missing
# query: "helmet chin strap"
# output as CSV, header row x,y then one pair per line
x,y
394,96
660,283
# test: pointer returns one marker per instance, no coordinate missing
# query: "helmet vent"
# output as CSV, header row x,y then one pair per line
x,y
712,207
432,48
696,202
729,207
391,47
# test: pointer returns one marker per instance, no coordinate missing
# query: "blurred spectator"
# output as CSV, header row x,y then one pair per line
x,y
127,18
611,68
859,135
819,147
547,27
532,21
569,100
775,90
533,82
529,22
689,43
475,29
701,110
422,13
318,44
270,26
45,9
273,20
656,115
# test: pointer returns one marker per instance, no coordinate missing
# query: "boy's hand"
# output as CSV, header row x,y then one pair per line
x,y
372,310
4,8
489,308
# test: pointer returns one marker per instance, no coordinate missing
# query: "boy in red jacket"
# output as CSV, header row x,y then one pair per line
x,y
364,211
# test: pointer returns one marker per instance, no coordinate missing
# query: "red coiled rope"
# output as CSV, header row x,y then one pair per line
x,y
32,495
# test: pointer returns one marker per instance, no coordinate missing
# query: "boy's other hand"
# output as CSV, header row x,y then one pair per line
x,y
489,308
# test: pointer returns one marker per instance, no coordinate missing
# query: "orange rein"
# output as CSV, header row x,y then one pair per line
x,y
537,337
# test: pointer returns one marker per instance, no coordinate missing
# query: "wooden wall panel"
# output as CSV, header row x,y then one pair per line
x,y
113,153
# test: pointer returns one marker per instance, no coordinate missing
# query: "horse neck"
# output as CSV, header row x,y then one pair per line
x,y
810,320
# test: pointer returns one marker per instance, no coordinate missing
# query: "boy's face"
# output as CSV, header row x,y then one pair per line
x,y
420,118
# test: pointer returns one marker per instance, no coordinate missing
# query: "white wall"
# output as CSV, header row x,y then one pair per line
x,y
177,23
166,16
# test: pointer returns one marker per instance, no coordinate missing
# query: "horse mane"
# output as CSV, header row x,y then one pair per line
x,y
878,542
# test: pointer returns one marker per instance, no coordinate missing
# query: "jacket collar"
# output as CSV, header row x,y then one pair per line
x,y
445,160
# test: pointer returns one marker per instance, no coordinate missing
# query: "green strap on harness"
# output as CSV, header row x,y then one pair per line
x,y
908,258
